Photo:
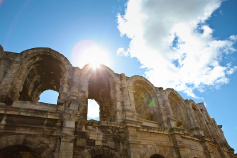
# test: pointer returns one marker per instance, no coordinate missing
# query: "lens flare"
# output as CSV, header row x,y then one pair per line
x,y
95,65
88,52
1,1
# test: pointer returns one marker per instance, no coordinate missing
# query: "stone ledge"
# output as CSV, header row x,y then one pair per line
x,y
36,106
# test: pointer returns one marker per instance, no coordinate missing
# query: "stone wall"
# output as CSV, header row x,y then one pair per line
x,y
137,120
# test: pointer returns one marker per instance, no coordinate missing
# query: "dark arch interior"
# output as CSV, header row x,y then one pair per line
x,y
18,151
156,156
101,156
99,89
42,75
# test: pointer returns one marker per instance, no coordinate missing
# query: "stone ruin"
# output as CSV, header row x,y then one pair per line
x,y
137,119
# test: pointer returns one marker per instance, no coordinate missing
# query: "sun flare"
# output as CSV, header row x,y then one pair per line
x,y
87,52
94,65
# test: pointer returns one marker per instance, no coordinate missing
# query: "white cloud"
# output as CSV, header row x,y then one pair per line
x,y
231,69
93,109
172,40
122,52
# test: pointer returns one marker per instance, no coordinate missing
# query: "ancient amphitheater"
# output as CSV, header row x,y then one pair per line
x,y
137,120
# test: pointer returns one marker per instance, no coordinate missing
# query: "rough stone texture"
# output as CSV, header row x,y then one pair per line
x,y
137,120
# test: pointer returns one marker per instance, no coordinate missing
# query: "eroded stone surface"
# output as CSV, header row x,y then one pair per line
x,y
137,120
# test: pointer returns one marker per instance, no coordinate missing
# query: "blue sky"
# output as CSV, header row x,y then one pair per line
x,y
189,46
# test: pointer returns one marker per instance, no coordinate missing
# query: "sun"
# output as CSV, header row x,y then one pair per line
x,y
94,56
87,52
94,65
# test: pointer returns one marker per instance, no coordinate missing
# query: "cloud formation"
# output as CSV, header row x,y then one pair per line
x,y
173,41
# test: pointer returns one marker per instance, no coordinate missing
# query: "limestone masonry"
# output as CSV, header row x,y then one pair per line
x,y
137,120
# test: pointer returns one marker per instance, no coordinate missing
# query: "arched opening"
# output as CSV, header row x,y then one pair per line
x,y
93,110
43,73
99,89
197,115
101,156
177,106
102,152
18,151
156,156
145,101
49,96
200,120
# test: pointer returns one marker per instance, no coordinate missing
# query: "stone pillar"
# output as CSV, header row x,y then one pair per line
x,y
207,151
64,84
205,129
170,119
66,147
83,93
118,105
161,107
132,141
193,121
75,83
166,103
197,129
7,81
71,113
128,107
131,98
69,118
179,146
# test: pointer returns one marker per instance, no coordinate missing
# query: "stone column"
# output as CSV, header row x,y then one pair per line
x,y
118,105
161,107
83,93
7,81
170,119
64,84
132,141
128,106
130,123
67,139
166,103
75,83
69,118
197,129
204,126
193,121
71,113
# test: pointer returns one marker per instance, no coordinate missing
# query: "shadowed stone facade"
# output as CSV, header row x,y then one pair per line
x,y
137,120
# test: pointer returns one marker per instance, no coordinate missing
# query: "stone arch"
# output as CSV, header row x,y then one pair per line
x,y
100,84
171,90
143,98
177,105
136,77
36,145
41,69
88,71
94,151
200,119
153,151
32,51
197,113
